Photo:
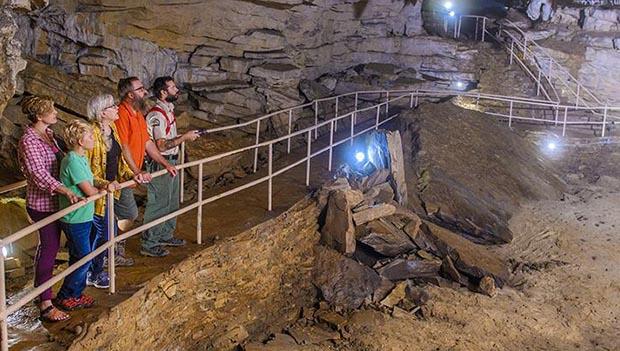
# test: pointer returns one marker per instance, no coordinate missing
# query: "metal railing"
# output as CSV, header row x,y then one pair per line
x,y
534,60
360,120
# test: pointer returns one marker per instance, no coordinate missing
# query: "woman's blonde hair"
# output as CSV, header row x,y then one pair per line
x,y
34,106
74,132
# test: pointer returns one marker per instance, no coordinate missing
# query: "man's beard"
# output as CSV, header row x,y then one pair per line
x,y
140,104
172,98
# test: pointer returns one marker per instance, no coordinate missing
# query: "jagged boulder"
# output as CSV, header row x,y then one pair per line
x,y
342,281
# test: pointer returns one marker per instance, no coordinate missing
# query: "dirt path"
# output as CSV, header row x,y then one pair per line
x,y
566,295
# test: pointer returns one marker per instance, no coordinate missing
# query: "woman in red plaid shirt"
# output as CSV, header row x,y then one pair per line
x,y
39,156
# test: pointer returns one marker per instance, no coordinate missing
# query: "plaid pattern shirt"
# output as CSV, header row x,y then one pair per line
x,y
38,163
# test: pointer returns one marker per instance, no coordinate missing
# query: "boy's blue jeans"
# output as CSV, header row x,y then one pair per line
x,y
78,241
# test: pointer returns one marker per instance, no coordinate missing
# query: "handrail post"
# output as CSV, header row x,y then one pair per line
x,y
316,118
290,125
455,28
331,143
111,235
564,125
199,212
377,118
355,109
510,114
336,113
577,99
476,31
308,156
352,128
604,121
557,111
387,104
256,143
550,70
538,82
484,25
270,180
4,334
411,101
182,174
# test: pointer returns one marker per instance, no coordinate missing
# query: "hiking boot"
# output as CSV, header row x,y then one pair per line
x,y
101,281
119,261
156,251
173,242
74,303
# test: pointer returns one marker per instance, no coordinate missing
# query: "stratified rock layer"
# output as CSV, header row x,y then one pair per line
x,y
470,172
249,285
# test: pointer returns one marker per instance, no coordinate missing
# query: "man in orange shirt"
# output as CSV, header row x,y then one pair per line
x,y
135,141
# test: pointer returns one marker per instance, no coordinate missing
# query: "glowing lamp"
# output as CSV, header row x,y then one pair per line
x,y
360,156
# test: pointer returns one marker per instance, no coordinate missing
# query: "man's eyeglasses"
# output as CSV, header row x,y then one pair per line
x,y
139,88
111,106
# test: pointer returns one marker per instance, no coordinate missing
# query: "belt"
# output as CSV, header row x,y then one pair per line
x,y
171,157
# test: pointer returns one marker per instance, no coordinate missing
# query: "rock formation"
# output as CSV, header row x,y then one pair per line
x,y
250,285
470,172
585,40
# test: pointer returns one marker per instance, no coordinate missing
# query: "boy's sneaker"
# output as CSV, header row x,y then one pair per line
x,y
173,242
74,303
101,281
156,251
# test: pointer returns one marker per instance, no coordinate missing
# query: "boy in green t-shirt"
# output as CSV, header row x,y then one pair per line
x,y
75,174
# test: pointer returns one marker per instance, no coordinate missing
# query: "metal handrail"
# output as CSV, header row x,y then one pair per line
x,y
257,120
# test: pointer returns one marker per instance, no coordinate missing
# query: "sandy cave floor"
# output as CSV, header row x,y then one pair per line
x,y
566,293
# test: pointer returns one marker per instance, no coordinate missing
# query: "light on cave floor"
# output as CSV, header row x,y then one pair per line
x,y
448,5
551,146
460,85
360,156
451,13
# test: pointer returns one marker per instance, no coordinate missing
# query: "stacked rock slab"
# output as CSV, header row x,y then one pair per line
x,y
393,245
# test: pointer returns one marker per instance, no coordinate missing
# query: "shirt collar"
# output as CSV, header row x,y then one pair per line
x,y
167,106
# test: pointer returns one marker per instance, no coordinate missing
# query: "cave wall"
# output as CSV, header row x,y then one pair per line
x,y
236,58
587,41
233,59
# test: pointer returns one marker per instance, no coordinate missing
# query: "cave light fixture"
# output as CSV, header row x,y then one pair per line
x,y
360,156
552,146
448,5
451,13
460,84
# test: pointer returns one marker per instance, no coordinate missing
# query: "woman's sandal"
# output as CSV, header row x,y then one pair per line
x,y
52,314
